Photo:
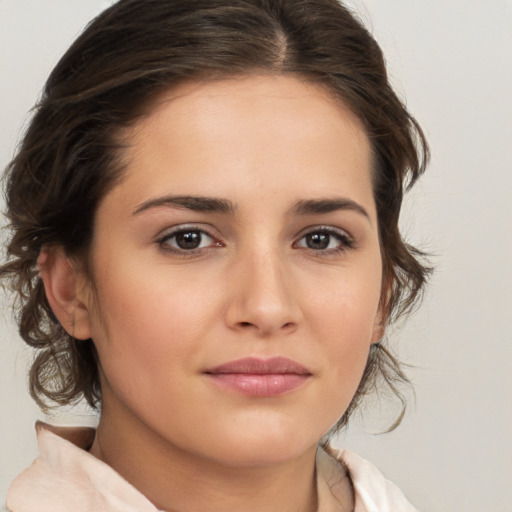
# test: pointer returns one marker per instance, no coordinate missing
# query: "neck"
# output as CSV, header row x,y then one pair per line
x,y
176,480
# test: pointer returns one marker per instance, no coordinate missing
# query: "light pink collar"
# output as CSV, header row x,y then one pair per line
x,y
66,477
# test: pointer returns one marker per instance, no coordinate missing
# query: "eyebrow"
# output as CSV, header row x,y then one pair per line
x,y
194,203
217,205
319,206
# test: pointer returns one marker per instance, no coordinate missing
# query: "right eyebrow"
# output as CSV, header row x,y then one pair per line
x,y
194,203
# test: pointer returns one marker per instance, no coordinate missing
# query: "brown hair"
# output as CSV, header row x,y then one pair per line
x,y
68,159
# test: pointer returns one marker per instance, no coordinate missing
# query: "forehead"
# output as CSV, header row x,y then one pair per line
x,y
238,134
254,97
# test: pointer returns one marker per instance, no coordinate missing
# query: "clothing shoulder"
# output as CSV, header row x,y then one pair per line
x,y
66,477
372,491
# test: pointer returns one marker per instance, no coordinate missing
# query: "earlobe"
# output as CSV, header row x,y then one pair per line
x,y
379,329
382,316
61,283
379,323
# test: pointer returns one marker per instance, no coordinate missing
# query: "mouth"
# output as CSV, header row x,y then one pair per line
x,y
260,377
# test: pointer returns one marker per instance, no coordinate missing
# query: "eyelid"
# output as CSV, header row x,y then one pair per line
x,y
178,228
326,228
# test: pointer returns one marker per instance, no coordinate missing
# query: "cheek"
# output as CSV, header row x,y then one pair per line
x,y
345,303
147,322
345,317
148,341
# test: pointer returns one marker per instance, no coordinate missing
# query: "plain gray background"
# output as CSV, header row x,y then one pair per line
x,y
452,61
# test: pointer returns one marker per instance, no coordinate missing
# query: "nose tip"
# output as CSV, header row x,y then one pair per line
x,y
263,299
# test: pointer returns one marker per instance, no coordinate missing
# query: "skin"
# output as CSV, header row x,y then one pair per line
x,y
160,315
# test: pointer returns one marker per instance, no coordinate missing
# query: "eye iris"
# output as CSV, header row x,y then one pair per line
x,y
318,241
188,240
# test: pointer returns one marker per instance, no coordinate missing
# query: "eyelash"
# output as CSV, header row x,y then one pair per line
x,y
346,242
163,241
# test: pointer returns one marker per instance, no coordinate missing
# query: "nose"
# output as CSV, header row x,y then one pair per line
x,y
263,295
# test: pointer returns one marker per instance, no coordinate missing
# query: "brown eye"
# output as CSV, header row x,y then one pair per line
x,y
318,241
327,240
188,239
185,240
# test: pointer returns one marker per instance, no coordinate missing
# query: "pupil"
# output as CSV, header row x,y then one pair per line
x,y
318,241
188,240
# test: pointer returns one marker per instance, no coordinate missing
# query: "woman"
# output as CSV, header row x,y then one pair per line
x,y
205,244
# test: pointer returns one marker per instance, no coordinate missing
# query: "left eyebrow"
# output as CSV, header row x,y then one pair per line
x,y
320,206
194,203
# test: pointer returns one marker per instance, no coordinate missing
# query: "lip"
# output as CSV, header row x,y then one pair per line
x,y
260,377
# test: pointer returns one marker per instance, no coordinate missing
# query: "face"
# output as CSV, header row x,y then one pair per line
x,y
237,270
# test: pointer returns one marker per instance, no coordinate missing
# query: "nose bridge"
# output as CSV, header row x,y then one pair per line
x,y
263,295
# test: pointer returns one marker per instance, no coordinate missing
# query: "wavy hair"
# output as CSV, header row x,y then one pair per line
x,y
70,156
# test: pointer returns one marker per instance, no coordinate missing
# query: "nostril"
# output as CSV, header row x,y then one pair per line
x,y
245,324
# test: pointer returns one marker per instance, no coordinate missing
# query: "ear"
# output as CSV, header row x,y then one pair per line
x,y
382,316
379,326
64,287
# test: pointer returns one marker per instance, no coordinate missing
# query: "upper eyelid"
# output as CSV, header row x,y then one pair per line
x,y
170,231
325,227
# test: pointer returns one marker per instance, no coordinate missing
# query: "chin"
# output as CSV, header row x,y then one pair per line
x,y
264,448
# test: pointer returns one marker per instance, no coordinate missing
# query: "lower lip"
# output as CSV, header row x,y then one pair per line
x,y
260,385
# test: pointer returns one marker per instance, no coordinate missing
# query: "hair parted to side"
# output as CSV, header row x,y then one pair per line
x,y
71,154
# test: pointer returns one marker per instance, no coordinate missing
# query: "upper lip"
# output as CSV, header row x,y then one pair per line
x,y
258,366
